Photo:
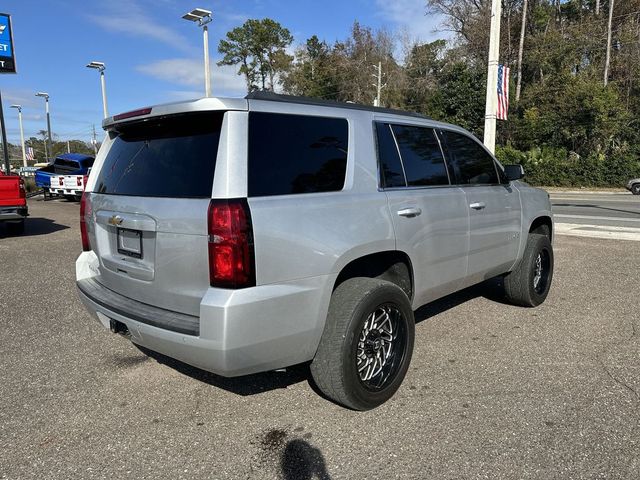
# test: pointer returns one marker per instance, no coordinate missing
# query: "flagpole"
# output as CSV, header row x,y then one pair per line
x,y
492,77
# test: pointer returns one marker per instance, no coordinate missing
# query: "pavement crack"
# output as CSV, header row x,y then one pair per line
x,y
618,381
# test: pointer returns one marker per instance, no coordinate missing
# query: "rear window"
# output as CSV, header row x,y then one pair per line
x,y
290,154
62,162
165,157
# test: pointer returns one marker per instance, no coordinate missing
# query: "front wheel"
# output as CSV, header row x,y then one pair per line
x,y
635,189
367,343
529,283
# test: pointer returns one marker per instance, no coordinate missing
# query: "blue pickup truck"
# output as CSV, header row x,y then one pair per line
x,y
65,164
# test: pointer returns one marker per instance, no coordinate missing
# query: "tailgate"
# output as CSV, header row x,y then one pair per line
x,y
149,205
10,192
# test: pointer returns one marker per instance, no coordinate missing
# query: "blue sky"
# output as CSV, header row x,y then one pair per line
x,y
152,55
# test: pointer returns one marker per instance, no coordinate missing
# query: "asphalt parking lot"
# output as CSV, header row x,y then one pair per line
x,y
493,391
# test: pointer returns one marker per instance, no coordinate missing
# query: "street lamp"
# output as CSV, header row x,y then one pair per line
x,y
100,67
24,155
46,104
202,17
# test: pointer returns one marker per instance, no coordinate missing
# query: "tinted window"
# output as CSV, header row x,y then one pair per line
x,y
472,163
389,160
421,156
63,162
169,157
296,154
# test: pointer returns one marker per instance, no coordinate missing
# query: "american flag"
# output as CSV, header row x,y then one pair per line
x,y
29,154
503,92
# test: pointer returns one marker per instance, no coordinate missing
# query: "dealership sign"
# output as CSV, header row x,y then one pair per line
x,y
7,54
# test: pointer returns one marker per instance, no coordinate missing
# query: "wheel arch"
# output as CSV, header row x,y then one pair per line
x,y
392,265
542,224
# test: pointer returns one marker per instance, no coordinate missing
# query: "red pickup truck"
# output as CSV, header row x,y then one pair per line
x,y
13,203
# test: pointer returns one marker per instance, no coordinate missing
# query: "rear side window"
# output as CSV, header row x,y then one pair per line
x,y
166,157
421,156
472,164
391,172
290,154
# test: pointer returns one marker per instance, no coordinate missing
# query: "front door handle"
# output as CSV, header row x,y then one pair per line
x,y
409,212
477,205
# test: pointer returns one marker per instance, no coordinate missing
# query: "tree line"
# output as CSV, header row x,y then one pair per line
x,y
570,123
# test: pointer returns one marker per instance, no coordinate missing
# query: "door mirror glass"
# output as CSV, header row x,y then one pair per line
x,y
514,172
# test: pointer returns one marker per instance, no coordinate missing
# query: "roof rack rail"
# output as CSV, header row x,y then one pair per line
x,y
276,97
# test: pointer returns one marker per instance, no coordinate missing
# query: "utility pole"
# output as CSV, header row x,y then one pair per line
x,y
68,147
525,4
94,141
607,61
492,77
597,7
378,84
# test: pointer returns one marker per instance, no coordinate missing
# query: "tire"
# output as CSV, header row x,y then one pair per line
x,y
522,285
16,228
345,344
635,188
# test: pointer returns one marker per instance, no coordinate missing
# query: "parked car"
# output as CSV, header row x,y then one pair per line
x,y
13,203
69,186
634,186
245,235
65,164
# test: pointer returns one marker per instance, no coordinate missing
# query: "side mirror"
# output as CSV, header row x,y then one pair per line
x,y
513,172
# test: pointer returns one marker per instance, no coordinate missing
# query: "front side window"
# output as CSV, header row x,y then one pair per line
x,y
421,156
294,154
472,164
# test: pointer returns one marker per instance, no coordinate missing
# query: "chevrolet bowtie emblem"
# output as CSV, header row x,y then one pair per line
x,y
115,220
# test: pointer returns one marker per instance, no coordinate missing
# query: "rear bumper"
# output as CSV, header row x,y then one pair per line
x,y
238,331
13,213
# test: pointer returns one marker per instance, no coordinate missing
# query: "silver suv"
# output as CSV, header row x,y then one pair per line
x,y
245,235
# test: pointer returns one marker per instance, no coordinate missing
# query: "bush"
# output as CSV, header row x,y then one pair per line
x,y
549,166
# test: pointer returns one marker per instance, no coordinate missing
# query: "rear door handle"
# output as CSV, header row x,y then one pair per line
x,y
409,212
477,205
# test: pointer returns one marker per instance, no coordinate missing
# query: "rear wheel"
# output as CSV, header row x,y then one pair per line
x,y
635,189
529,282
367,343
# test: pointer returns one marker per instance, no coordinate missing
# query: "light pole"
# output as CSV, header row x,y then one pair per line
x,y
100,67
203,17
24,155
46,104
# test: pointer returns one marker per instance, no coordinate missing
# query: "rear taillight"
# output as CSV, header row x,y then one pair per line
x,y
231,252
61,181
85,210
84,181
78,181
22,192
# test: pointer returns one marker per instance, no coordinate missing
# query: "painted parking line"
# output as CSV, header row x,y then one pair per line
x,y
598,231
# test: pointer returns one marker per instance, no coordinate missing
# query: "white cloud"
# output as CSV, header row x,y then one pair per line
x,y
190,73
412,16
128,17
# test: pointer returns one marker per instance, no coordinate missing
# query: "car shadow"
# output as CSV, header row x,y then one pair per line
x,y
41,226
492,289
33,227
245,385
